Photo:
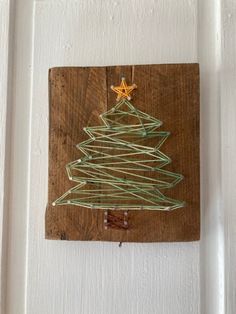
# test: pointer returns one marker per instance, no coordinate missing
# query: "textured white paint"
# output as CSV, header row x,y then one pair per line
x,y
100,278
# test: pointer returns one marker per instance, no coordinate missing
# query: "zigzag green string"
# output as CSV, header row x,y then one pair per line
x,y
114,191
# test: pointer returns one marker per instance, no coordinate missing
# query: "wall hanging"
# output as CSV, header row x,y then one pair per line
x,y
124,153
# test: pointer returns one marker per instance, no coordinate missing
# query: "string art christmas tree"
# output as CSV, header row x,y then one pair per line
x,y
119,169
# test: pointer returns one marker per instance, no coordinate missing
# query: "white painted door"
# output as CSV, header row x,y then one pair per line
x,y
58,277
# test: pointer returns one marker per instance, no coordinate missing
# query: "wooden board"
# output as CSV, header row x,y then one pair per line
x,y
77,96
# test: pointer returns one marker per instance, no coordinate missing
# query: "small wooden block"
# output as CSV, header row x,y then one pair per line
x,y
77,96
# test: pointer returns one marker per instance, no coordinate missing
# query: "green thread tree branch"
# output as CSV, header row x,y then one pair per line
x,y
119,170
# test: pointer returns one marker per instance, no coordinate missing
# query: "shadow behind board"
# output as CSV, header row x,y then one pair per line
x,y
77,96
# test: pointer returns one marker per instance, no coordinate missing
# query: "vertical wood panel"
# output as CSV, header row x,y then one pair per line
x,y
136,278
211,247
4,140
19,86
228,149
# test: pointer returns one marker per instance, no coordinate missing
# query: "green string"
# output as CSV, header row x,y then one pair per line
x,y
117,170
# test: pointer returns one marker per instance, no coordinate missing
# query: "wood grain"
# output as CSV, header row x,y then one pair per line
x,y
76,98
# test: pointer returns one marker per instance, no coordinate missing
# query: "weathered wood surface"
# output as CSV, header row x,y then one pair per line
x,y
77,95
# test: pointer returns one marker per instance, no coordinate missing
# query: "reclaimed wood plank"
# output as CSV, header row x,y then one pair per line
x,y
169,92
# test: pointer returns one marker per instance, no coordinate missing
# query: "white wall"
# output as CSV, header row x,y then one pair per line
x,y
100,278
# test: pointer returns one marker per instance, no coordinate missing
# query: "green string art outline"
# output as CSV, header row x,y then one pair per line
x,y
139,188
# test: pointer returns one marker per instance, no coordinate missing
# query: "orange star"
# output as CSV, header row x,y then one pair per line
x,y
123,91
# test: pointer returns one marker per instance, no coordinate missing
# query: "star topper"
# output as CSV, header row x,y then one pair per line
x,y
123,91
